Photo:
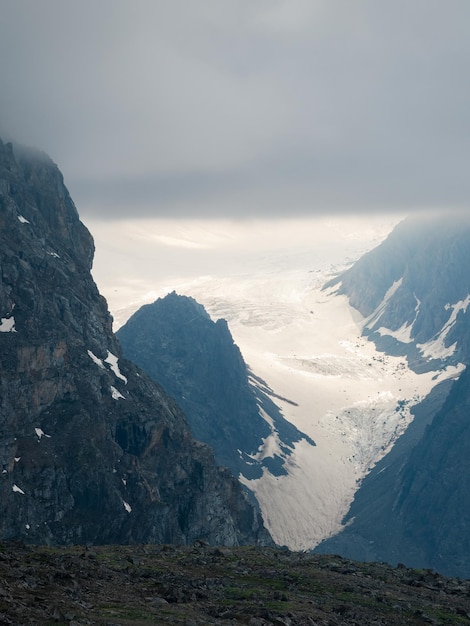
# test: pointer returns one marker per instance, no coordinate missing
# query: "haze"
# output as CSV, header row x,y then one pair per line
x,y
243,152
237,108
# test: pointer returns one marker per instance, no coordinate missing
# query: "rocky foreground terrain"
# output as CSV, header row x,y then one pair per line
x,y
199,585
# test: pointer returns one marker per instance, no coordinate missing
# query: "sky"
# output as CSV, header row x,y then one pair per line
x,y
235,108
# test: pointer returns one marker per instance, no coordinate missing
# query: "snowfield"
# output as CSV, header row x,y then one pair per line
x,y
353,401
306,344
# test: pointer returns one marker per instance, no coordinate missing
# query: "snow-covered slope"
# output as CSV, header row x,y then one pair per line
x,y
352,400
307,344
413,507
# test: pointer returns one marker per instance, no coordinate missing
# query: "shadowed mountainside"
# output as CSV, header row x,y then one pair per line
x,y
91,450
177,344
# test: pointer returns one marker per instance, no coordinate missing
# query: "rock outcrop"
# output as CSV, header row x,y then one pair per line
x,y
202,585
91,450
196,360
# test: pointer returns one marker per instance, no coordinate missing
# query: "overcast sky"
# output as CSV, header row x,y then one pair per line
x,y
231,107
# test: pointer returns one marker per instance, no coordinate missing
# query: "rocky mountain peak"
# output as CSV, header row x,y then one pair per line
x,y
176,342
91,450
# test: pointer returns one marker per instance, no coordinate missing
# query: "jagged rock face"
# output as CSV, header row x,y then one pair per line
x,y
195,359
91,450
414,506
417,280
177,344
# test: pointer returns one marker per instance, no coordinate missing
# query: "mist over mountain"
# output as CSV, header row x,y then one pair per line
x,y
414,506
414,288
177,344
91,450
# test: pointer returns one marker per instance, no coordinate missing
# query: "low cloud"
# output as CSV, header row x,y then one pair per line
x,y
237,108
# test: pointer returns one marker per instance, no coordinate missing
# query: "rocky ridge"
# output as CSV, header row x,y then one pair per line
x,y
91,450
413,289
196,360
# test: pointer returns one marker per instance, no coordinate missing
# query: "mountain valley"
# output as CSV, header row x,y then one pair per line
x,y
333,385
91,450
329,380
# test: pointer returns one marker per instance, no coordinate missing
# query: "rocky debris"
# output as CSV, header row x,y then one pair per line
x,y
91,450
201,585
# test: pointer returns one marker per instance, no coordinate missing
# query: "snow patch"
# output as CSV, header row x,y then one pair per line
x,y
40,433
303,341
403,334
7,325
116,394
95,359
436,348
23,220
270,447
127,506
17,489
379,311
113,362
54,254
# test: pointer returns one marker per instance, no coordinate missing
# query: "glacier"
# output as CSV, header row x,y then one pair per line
x,y
305,342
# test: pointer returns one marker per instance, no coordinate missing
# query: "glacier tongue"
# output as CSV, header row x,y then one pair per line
x,y
351,399
306,344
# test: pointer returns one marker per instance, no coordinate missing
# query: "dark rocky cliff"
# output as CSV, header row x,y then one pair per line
x,y
195,359
91,450
414,506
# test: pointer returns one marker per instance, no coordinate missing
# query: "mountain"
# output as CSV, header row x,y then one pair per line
x,y
195,359
91,450
414,506
414,289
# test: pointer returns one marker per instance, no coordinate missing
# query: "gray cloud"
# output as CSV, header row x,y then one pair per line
x,y
235,107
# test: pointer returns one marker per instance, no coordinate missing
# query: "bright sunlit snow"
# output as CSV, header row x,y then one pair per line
x,y
113,363
116,394
95,359
7,325
17,489
22,219
40,433
436,348
379,311
352,400
266,280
